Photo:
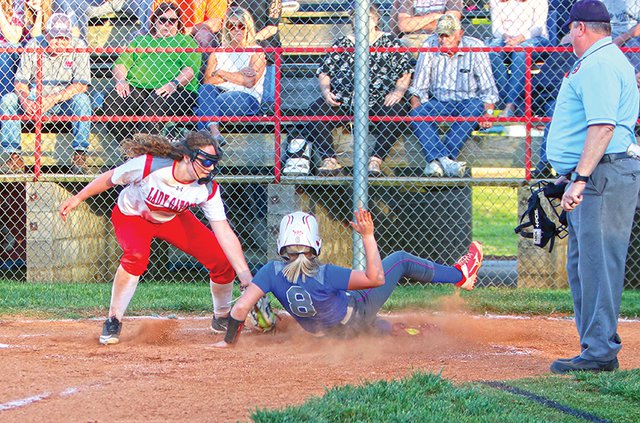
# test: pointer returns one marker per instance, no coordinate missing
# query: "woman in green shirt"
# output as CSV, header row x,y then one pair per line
x,y
155,83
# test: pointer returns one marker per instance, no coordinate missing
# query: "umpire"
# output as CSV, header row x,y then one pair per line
x,y
593,124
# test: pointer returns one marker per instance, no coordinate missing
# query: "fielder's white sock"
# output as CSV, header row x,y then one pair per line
x,y
221,294
124,286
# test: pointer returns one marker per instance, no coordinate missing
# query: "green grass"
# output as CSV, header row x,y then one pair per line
x,y
72,300
425,397
495,215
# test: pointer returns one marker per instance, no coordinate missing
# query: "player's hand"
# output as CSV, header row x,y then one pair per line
x,y
67,206
572,197
364,222
221,344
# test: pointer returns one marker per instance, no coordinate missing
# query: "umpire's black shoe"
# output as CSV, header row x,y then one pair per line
x,y
111,331
219,324
580,364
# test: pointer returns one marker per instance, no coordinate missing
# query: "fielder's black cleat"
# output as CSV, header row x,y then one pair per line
x,y
579,364
219,324
111,331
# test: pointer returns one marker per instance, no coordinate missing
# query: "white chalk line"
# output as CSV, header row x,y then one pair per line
x,y
67,392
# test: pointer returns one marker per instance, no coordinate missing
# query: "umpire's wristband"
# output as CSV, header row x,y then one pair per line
x,y
233,330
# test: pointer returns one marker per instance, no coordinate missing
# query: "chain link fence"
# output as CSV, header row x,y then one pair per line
x,y
455,131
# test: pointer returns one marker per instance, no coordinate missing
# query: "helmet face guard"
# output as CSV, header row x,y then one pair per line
x,y
299,228
206,160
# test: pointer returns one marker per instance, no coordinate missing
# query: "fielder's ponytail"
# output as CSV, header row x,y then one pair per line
x,y
299,264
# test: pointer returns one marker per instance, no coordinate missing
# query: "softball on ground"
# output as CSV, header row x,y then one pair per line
x,y
412,331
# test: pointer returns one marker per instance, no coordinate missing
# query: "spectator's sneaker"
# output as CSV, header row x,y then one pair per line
x,y
298,158
79,165
219,324
14,164
374,167
330,167
579,364
296,167
433,170
452,168
469,265
111,331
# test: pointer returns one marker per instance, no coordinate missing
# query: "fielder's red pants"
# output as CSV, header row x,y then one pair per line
x,y
185,231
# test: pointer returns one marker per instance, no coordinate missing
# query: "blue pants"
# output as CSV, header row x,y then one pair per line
x,y
396,266
212,101
510,81
78,10
459,132
8,65
599,232
79,105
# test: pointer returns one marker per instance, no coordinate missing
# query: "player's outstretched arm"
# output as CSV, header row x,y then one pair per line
x,y
239,314
374,273
98,185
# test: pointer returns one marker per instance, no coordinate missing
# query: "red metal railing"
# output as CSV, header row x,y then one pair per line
x,y
278,118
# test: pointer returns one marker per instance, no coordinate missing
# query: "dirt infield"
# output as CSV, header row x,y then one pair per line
x,y
164,370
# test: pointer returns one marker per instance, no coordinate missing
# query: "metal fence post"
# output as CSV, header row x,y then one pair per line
x,y
360,120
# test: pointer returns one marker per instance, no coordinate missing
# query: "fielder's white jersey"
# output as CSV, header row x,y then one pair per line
x,y
153,192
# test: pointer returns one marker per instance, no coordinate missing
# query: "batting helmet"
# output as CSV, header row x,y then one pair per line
x,y
299,228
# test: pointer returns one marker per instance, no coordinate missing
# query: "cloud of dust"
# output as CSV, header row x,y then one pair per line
x,y
156,332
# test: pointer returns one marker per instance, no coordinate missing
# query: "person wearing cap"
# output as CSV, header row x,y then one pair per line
x,y
65,79
448,83
416,19
592,127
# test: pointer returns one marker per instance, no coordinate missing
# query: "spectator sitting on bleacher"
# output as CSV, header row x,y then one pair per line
x,y
202,19
515,23
448,83
19,22
83,10
416,19
65,80
154,83
266,17
234,80
390,78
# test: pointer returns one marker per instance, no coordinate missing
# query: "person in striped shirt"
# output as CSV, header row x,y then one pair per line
x,y
450,83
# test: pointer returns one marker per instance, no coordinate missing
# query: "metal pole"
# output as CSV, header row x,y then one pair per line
x,y
360,120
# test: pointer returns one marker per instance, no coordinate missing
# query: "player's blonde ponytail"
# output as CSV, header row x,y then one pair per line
x,y
301,263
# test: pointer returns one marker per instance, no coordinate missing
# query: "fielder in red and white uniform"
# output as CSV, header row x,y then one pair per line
x,y
163,181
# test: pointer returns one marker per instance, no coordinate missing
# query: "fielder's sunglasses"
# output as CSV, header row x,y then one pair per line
x,y
206,159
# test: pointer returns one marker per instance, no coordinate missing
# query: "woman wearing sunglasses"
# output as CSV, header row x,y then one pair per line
x,y
163,180
234,80
155,83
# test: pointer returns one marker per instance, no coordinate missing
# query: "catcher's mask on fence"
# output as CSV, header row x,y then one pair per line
x,y
544,229
299,228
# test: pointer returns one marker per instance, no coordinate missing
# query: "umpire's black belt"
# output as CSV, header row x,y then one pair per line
x,y
612,157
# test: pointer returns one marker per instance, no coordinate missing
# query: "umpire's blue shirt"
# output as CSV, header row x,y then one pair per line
x,y
599,89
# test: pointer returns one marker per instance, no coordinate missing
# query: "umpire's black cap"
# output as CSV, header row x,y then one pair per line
x,y
587,11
